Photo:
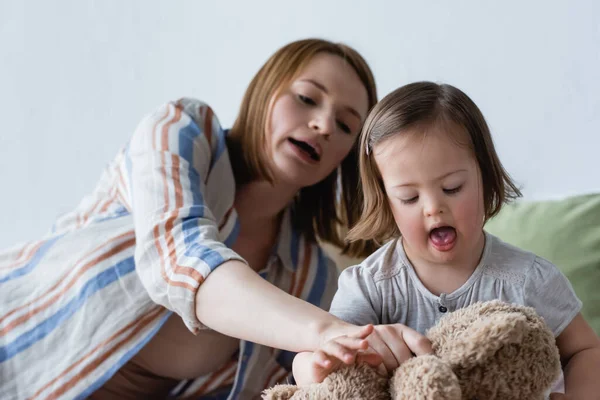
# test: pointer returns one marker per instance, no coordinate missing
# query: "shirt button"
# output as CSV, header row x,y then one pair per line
x,y
443,309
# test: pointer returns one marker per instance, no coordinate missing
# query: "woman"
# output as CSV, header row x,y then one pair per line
x,y
143,288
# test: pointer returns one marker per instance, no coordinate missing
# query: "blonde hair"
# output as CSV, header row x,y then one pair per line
x,y
318,211
425,104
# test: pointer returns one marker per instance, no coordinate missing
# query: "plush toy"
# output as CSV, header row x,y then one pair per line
x,y
489,350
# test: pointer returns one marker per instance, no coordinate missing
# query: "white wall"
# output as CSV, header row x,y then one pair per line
x,y
76,76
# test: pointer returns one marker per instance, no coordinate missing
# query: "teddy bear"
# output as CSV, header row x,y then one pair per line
x,y
488,350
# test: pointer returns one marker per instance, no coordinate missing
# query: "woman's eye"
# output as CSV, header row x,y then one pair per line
x,y
306,100
453,190
344,127
410,201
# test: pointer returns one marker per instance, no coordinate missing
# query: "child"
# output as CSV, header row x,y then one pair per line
x,y
431,179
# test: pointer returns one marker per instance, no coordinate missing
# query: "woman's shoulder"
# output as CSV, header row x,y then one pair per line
x,y
189,116
187,127
198,110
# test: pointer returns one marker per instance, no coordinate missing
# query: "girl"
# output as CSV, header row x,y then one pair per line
x,y
144,290
431,179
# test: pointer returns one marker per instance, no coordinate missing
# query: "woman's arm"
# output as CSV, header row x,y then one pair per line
x,y
173,157
579,350
176,162
236,301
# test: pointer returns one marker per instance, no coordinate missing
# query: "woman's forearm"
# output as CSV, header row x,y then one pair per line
x,y
581,374
236,301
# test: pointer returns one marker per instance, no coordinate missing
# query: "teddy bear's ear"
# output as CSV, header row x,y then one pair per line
x,y
425,377
280,392
486,336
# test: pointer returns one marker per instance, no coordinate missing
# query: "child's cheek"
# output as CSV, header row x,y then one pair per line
x,y
412,228
469,213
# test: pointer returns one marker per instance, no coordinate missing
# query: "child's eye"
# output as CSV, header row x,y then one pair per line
x,y
454,190
306,100
410,201
344,127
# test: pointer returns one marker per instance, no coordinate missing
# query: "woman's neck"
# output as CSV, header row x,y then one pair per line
x,y
260,203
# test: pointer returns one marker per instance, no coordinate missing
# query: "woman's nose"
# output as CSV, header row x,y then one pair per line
x,y
322,123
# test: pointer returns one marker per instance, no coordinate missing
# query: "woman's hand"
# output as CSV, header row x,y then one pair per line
x,y
314,367
347,349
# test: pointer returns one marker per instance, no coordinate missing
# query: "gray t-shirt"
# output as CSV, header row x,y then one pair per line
x,y
384,288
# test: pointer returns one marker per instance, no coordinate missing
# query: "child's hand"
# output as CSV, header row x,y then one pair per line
x,y
347,349
397,343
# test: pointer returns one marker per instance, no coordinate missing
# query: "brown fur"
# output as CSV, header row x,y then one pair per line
x,y
490,350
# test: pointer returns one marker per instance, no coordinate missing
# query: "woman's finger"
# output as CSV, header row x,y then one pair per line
x,y
351,343
322,359
334,349
350,331
363,332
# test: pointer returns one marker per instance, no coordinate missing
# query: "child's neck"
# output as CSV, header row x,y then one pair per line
x,y
446,278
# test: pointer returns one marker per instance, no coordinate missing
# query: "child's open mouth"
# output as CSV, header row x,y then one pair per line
x,y
306,148
443,238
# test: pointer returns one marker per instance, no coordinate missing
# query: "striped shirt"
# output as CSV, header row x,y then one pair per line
x,y
78,304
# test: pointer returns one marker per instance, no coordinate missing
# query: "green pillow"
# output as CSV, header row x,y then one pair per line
x,y
567,233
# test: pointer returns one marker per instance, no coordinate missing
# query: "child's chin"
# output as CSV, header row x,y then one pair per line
x,y
443,256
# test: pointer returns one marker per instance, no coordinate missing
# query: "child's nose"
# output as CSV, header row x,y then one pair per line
x,y
433,207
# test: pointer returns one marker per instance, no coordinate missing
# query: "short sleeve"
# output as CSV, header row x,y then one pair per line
x,y
548,291
357,299
170,158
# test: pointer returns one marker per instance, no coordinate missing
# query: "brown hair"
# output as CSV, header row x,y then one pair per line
x,y
317,210
425,104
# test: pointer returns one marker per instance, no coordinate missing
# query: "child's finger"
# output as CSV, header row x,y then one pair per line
x,y
379,345
400,350
416,342
374,360
370,358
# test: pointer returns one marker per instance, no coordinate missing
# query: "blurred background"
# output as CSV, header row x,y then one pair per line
x,y
77,76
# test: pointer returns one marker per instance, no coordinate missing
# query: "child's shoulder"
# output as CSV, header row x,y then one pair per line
x,y
384,263
506,258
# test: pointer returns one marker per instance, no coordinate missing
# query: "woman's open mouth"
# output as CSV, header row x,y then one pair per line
x,y
305,148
